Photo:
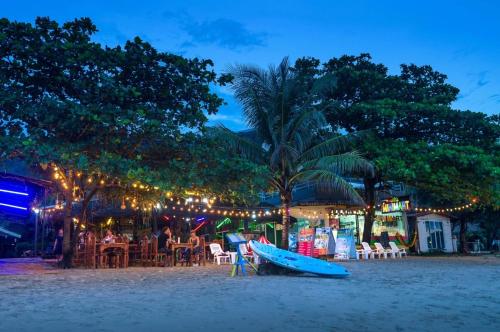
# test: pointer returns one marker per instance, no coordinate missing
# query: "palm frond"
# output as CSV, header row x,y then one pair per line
x,y
301,129
251,88
331,146
329,181
238,144
349,163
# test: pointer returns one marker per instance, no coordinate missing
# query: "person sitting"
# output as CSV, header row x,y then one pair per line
x,y
195,241
109,238
164,241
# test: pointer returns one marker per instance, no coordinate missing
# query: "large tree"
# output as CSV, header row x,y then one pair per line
x,y
412,107
291,135
92,112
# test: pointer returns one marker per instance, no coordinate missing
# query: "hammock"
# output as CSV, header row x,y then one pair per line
x,y
409,244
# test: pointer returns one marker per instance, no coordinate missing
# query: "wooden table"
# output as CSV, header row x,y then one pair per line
x,y
101,247
175,246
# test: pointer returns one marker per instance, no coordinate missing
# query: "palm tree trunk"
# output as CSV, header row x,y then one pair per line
x,y
285,205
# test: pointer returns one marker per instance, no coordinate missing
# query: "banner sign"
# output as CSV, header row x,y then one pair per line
x,y
395,205
324,243
345,243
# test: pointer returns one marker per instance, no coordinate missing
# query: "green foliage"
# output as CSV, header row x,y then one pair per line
x,y
291,144
203,164
415,136
70,101
446,174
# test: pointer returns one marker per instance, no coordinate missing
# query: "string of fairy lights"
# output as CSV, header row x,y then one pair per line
x,y
197,203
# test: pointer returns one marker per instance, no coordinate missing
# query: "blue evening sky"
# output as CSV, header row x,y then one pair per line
x,y
458,38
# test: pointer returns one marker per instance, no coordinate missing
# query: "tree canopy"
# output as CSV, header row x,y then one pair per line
x,y
94,111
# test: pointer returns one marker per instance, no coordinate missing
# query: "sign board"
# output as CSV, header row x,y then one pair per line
x,y
306,242
292,242
395,205
345,243
324,243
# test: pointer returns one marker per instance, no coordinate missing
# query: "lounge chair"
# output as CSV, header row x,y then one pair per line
x,y
382,251
219,254
366,251
397,251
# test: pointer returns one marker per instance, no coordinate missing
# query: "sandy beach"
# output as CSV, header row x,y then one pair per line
x,y
414,294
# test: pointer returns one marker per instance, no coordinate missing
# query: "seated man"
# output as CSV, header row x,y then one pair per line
x,y
164,241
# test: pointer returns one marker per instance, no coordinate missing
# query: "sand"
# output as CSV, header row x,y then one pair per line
x,y
414,294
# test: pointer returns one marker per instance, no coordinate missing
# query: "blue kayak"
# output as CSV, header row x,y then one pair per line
x,y
297,262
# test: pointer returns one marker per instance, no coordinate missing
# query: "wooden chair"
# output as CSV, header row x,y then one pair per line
x,y
156,257
90,251
144,248
122,255
79,254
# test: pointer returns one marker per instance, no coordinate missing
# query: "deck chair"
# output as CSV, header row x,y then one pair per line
x,y
382,251
397,251
219,254
366,252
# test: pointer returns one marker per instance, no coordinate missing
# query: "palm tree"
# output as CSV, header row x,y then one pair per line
x,y
285,116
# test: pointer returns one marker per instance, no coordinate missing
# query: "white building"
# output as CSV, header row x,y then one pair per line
x,y
434,233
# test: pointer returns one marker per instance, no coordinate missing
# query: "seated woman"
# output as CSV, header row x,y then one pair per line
x,y
109,238
111,253
195,241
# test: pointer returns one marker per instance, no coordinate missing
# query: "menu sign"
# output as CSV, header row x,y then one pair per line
x,y
306,242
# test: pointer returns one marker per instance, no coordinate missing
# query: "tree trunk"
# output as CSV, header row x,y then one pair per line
x,y
83,218
370,213
285,204
68,222
463,233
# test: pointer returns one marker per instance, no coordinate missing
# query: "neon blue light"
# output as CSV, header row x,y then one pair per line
x,y
13,192
14,206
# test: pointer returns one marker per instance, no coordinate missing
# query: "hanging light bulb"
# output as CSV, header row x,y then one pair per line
x,y
123,206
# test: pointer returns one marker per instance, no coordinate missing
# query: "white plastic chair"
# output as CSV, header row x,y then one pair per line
x,y
382,251
397,251
366,251
219,254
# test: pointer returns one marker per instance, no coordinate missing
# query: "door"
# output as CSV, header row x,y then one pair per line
x,y
435,238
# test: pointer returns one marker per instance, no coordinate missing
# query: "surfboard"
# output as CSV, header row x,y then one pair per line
x,y
296,262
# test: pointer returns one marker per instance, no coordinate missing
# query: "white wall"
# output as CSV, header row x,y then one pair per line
x,y
422,233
